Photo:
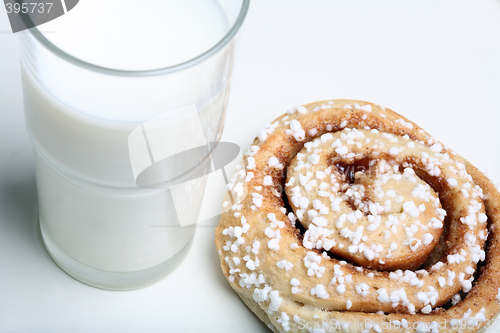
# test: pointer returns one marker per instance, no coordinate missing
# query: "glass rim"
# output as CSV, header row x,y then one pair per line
x,y
150,72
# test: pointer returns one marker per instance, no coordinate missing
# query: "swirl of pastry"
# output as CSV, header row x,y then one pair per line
x,y
347,215
359,195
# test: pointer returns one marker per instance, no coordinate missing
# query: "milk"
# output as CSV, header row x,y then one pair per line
x,y
79,121
129,35
138,35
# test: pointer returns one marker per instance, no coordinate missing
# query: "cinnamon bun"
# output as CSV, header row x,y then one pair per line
x,y
347,216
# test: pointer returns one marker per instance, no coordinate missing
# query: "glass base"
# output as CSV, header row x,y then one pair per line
x,y
112,280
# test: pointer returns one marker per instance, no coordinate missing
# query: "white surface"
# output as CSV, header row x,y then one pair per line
x,y
435,63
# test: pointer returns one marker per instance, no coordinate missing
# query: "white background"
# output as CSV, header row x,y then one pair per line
x,y
436,63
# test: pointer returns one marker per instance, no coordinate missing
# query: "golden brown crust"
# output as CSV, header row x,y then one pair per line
x,y
256,239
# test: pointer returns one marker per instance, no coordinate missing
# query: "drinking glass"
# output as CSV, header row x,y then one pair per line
x,y
99,131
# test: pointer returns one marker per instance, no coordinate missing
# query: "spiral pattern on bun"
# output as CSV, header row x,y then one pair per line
x,y
347,216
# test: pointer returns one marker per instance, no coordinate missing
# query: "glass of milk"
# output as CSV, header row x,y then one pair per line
x,y
111,89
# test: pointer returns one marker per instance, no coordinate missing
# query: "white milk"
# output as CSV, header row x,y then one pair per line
x,y
129,35
138,35
79,121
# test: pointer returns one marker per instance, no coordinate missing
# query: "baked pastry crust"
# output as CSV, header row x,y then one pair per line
x,y
291,282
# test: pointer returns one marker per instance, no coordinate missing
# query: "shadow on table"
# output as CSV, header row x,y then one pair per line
x,y
19,209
